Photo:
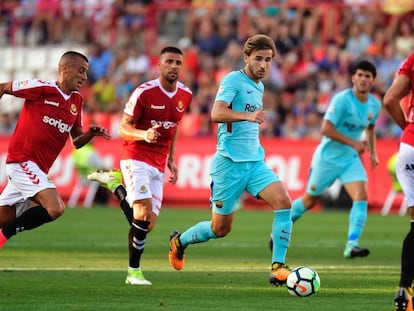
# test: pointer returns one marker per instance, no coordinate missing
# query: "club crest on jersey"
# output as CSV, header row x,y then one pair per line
x,y
23,83
73,109
180,106
129,105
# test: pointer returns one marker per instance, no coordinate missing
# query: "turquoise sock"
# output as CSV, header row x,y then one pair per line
x,y
357,219
198,233
281,231
298,209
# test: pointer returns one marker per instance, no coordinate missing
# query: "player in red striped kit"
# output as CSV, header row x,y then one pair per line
x,y
51,112
149,128
403,86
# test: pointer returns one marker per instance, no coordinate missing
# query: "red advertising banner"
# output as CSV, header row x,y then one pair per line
x,y
289,158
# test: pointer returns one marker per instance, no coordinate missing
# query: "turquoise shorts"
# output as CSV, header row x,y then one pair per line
x,y
230,179
322,173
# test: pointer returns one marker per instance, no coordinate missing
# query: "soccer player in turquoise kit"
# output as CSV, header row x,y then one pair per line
x,y
238,164
350,113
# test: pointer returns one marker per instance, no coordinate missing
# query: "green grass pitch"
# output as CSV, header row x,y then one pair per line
x,y
79,262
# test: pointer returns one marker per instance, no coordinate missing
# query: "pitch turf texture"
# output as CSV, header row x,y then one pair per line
x,y
79,263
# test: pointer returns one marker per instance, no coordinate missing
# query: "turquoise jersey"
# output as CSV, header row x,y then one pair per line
x,y
239,141
350,117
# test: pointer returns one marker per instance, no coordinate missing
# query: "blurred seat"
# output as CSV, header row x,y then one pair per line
x,y
23,74
392,196
12,58
81,185
396,191
5,76
35,58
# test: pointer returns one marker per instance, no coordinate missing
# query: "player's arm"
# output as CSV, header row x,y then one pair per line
x,y
221,113
329,130
399,88
372,145
170,160
80,138
128,131
5,88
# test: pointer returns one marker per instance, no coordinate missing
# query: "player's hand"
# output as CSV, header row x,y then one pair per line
x,y
374,161
97,130
259,116
361,147
151,135
174,171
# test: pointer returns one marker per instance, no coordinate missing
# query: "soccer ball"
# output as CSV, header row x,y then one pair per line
x,y
303,281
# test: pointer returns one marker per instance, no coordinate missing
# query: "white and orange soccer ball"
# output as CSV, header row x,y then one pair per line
x,y
303,281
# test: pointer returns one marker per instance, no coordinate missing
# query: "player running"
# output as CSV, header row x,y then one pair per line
x,y
403,87
51,112
149,128
238,164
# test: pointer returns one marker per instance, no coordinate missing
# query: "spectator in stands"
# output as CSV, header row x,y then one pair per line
x,y
404,40
47,22
137,64
7,123
132,17
103,95
357,42
387,63
285,40
100,59
207,39
74,21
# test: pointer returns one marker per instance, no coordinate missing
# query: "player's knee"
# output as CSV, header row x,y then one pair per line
x,y
310,201
56,211
221,231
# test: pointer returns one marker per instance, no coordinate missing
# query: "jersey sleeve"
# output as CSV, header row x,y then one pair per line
x,y
28,89
133,103
335,110
227,89
377,110
407,67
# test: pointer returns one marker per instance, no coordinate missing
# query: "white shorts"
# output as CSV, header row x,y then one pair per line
x,y
26,179
406,176
143,181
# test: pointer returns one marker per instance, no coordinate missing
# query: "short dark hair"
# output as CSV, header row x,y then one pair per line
x,y
171,49
366,66
72,54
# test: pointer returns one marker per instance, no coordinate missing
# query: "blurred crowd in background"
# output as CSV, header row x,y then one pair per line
x,y
317,41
